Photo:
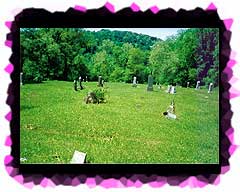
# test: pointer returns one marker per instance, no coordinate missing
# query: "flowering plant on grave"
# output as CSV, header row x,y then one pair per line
x,y
101,93
98,95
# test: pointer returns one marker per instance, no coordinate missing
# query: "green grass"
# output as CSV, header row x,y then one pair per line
x,y
129,128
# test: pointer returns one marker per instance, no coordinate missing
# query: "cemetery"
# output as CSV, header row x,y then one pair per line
x,y
134,115
130,128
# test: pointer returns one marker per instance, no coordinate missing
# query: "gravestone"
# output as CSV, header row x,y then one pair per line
x,y
198,85
80,83
134,82
100,81
86,79
170,113
78,157
169,89
210,88
150,83
188,84
173,90
75,85
91,98
21,79
171,116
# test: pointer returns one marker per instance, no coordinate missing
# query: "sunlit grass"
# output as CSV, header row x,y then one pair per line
x,y
129,128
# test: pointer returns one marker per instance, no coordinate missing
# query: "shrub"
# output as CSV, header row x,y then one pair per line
x,y
98,95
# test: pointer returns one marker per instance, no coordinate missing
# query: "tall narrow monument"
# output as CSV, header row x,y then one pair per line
x,y
150,83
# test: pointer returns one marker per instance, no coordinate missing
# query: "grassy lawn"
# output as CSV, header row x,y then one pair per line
x,y
129,128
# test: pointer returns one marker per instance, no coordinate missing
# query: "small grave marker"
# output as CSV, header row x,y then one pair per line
x,y
210,88
80,83
134,82
173,90
91,98
198,85
188,84
170,113
78,158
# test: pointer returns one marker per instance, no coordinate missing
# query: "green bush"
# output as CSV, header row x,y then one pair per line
x,y
101,94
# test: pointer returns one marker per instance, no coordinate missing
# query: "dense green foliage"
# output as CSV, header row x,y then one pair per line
x,y
130,128
67,53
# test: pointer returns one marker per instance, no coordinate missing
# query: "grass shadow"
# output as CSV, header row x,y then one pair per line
x,y
26,107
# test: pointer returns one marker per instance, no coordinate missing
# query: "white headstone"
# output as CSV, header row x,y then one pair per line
x,y
78,158
171,116
80,81
198,85
210,87
173,90
188,84
134,81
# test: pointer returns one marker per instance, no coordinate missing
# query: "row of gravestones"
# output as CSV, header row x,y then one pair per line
x,y
80,83
100,83
171,89
210,87
150,83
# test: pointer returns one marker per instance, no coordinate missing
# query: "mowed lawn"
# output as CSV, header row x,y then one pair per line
x,y
129,128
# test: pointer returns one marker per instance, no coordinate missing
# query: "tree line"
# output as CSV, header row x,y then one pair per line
x,y
67,53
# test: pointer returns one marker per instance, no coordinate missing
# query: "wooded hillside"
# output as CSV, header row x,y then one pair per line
x,y
67,53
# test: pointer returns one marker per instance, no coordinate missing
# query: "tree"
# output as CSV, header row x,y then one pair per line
x,y
136,64
162,63
207,55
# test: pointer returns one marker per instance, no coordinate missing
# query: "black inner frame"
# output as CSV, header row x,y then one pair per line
x,y
102,18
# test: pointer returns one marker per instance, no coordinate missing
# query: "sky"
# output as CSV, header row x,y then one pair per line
x,y
161,33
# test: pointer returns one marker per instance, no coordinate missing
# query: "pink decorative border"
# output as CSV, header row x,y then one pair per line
x,y
134,181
